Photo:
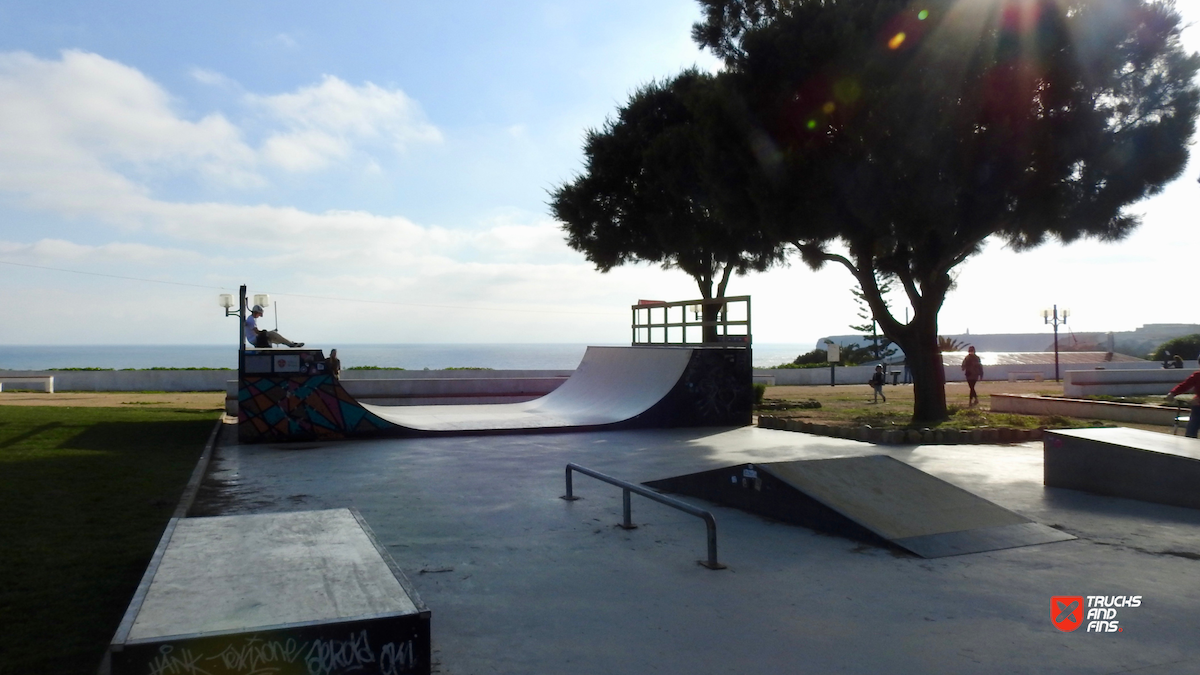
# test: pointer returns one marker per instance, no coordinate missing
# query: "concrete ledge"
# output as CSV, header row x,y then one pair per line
x,y
298,592
1094,410
45,383
1122,382
1035,375
1129,463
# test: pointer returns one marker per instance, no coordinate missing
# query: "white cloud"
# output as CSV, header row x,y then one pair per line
x,y
65,125
114,254
211,78
284,40
324,122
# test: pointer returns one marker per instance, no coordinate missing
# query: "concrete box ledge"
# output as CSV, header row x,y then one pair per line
x,y
1027,404
1122,382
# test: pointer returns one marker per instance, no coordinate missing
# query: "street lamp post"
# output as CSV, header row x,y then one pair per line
x,y
1055,318
226,300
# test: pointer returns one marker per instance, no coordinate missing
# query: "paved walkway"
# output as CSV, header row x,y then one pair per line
x,y
520,581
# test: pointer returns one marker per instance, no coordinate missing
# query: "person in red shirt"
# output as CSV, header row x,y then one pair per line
x,y
1192,384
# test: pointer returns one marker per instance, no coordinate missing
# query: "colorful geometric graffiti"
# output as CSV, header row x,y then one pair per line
x,y
304,407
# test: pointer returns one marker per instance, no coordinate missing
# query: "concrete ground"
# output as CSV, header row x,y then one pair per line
x,y
520,581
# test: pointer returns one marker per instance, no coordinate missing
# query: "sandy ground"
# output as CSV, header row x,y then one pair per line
x,y
193,400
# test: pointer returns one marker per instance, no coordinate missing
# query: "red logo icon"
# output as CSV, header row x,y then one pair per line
x,y
1066,612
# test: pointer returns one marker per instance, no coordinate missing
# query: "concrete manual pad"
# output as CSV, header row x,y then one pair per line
x,y
283,587
1122,462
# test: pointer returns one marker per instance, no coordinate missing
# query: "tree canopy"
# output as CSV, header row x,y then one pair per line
x,y
664,182
1186,347
901,136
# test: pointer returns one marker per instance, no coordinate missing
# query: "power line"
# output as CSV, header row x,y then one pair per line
x,y
311,297
110,276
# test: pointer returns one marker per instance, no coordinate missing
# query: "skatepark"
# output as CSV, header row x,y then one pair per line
x,y
457,539
520,581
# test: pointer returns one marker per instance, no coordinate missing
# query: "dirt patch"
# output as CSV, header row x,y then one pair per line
x,y
190,400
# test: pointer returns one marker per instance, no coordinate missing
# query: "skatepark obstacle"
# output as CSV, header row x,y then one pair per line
x,y
872,498
710,523
286,593
1122,462
286,395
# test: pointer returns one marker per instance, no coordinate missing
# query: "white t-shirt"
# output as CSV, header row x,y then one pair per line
x,y
251,328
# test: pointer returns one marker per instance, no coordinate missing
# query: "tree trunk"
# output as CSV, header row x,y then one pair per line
x,y
712,312
918,338
925,362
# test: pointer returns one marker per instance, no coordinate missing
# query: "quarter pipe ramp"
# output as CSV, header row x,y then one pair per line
x,y
613,387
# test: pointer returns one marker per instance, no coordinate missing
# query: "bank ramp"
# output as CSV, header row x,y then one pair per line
x,y
873,498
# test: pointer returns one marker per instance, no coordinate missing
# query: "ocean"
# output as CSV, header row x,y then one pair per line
x,y
407,356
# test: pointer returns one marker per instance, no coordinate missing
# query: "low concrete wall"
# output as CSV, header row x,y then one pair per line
x,y
348,375
131,380
1092,410
861,374
1122,382
429,387
215,380
811,376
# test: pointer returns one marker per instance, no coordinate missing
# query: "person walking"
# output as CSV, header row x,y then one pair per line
x,y
877,384
1192,384
972,367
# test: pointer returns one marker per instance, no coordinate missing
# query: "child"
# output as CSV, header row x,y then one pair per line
x,y
877,384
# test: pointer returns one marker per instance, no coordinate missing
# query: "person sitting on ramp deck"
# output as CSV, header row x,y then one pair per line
x,y
264,338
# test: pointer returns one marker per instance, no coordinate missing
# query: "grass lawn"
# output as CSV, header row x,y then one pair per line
x,y
85,494
851,405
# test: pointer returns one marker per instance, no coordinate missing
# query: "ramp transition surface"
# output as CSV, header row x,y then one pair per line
x,y
611,385
874,497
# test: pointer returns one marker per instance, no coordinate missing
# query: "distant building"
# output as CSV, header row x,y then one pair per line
x,y
1139,343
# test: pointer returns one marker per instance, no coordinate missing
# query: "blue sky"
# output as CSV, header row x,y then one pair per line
x,y
382,170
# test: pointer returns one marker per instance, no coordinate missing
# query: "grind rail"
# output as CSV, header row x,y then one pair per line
x,y
710,523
